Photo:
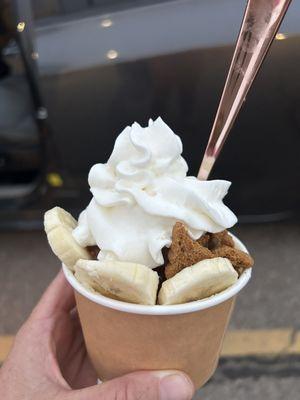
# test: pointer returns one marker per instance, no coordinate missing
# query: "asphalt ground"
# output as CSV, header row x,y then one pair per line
x,y
261,355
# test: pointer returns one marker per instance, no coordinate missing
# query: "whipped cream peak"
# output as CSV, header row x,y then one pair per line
x,y
141,192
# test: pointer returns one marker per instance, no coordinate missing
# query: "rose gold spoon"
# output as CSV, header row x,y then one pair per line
x,y
260,23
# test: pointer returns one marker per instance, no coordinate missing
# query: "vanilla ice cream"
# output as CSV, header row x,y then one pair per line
x,y
141,192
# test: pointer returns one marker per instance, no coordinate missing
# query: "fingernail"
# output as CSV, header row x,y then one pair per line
x,y
175,386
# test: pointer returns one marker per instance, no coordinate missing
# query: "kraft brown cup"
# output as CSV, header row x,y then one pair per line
x,y
122,337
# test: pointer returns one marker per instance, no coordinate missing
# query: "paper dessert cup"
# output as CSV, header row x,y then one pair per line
x,y
122,337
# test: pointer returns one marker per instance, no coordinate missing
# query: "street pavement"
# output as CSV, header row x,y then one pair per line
x,y
271,301
252,388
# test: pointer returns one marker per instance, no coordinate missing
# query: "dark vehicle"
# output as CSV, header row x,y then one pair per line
x,y
73,74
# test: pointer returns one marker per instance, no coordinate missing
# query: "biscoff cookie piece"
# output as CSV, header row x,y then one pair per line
x,y
239,259
204,240
215,240
171,270
184,251
220,239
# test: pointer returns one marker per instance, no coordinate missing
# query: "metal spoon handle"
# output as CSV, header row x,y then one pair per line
x,y
260,23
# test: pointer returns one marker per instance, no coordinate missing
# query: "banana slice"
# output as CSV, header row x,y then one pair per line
x,y
133,283
59,225
84,276
197,282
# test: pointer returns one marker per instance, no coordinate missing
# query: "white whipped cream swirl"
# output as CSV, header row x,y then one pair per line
x,y
141,192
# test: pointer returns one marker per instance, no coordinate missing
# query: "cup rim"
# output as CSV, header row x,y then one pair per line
x,y
161,309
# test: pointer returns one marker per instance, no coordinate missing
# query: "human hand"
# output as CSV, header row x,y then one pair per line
x,y
48,361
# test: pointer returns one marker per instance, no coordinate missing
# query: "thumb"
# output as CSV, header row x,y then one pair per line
x,y
154,385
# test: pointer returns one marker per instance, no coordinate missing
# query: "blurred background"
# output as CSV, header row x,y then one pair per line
x,y
74,73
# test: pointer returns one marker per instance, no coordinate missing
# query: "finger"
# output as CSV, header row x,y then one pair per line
x,y
74,315
58,297
155,385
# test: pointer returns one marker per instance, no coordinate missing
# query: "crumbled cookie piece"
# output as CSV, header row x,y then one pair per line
x,y
184,251
204,240
215,240
171,270
238,258
220,239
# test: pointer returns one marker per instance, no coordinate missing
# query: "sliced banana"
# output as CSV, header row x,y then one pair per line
x,y
84,276
197,282
133,283
59,225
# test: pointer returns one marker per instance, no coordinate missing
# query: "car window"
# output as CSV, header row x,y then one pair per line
x,y
50,8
